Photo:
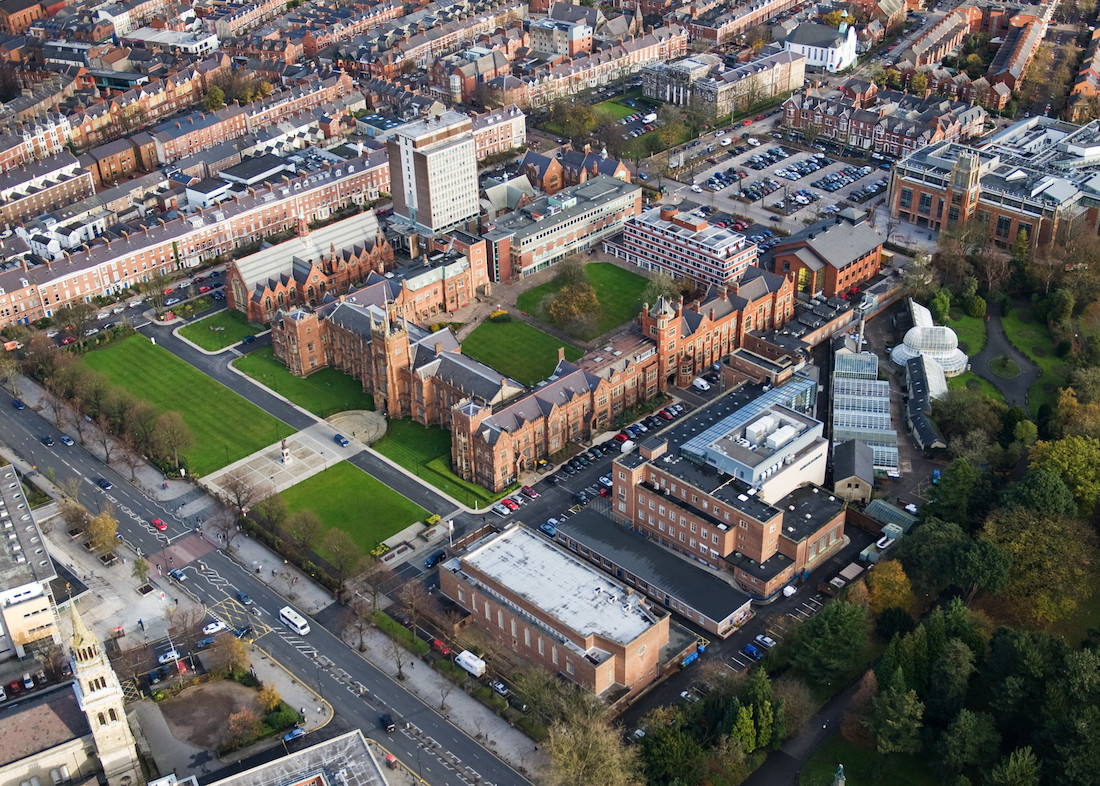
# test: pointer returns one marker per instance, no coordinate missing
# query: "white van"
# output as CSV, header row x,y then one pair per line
x,y
700,384
627,446
293,620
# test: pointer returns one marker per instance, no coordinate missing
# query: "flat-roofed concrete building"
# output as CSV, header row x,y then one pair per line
x,y
27,612
433,172
665,240
708,600
556,610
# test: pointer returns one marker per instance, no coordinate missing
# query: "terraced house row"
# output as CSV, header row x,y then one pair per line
x,y
29,293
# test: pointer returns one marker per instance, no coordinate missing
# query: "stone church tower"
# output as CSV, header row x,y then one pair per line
x,y
100,696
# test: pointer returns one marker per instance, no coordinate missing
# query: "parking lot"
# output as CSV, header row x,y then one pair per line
x,y
789,182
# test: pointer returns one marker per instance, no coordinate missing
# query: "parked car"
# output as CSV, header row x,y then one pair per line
x,y
171,301
550,528
752,652
168,657
765,641
178,575
499,687
294,734
435,559
529,492
340,440
500,510
441,647
18,404
217,626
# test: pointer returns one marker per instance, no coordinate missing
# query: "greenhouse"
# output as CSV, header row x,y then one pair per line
x,y
935,342
861,407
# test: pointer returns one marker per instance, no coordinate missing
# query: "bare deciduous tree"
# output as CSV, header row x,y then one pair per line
x,y
445,687
224,524
360,621
399,655
239,487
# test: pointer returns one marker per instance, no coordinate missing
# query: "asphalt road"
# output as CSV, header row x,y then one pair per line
x,y
357,690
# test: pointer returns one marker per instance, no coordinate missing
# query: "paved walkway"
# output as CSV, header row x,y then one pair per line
x,y
1015,390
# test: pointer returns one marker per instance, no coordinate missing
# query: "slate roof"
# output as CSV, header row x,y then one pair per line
x,y
853,459
40,723
813,34
835,242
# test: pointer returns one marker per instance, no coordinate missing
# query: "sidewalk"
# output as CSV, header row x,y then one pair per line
x,y
459,707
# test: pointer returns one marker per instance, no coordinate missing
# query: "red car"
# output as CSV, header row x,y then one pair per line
x,y
160,525
168,290
439,646
509,503
759,117
529,492
747,123
620,438
67,340
204,289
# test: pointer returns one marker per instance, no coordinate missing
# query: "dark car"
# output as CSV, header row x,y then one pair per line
x,y
18,404
105,484
248,340
435,559
154,677
752,652
242,631
202,644
294,734
341,440
244,598
385,720
47,441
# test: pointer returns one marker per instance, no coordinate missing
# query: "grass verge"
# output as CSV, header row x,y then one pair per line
x,y
619,292
225,426
427,453
864,766
986,387
322,392
517,350
218,331
347,498
1033,339
970,330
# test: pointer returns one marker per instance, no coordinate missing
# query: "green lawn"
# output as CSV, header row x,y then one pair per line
x,y
517,350
970,330
218,331
864,766
225,426
1033,339
616,107
426,452
347,498
985,385
619,292
322,392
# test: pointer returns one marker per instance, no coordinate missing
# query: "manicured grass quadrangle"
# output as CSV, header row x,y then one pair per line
x,y
426,452
517,350
322,392
346,498
864,766
206,333
1032,337
225,426
619,292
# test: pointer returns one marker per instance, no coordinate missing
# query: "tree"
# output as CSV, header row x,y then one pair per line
x,y
663,285
981,565
131,457
833,19
962,410
415,601
242,724
970,743
75,515
398,655
141,425
853,728
927,553
215,99
585,748
1076,460
103,438
1019,768
445,688
828,643
224,524
890,587
76,317
670,755
272,509
918,279
360,620
103,532
377,580
304,528
918,84
575,304
140,571
895,719
1052,559
951,673
9,372
239,488
231,653
171,435
268,698
343,554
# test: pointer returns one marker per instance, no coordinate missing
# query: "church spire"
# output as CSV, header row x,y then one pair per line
x,y
84,643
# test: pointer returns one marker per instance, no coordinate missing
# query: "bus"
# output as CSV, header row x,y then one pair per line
x,y
293,620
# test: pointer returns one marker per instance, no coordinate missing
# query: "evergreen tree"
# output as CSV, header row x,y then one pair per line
x,y
896,714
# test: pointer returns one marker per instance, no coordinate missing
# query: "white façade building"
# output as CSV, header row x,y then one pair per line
x,y
829,48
